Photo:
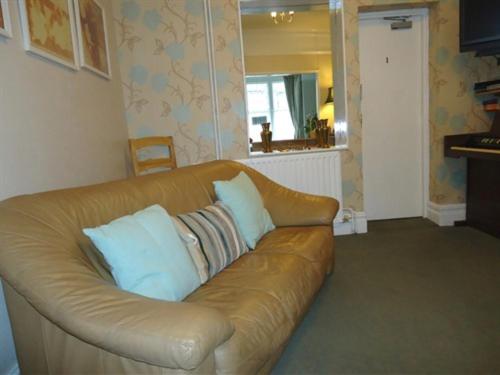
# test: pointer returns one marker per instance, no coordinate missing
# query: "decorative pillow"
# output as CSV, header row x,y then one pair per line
x,y
146,255
245,202
194,249
215,239
97,260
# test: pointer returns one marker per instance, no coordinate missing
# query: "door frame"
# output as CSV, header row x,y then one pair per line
x,y
424,95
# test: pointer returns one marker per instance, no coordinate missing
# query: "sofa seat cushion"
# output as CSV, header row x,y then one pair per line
x,y
312,243
265,293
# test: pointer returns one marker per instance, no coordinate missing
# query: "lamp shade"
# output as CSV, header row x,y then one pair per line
x,y
329,99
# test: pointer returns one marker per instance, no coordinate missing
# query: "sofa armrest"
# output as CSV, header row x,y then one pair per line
x,y
292,208
165,334
174,335
43,263
50,274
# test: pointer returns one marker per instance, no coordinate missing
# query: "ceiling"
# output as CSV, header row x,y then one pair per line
x,y
252,6
308,34
317,20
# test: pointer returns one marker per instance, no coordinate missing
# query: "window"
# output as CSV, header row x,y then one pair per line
x,y
267,102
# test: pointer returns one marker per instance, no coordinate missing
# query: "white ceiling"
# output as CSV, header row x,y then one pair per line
x,y
248,5
308,34
283,2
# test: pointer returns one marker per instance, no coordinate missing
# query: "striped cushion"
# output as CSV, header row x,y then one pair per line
x,y
214,239
193,247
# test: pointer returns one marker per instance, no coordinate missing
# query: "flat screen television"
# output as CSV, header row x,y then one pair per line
x,y
480,26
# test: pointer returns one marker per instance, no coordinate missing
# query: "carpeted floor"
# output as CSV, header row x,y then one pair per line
x,y
406,298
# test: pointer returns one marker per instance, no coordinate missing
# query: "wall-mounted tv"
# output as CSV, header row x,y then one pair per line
x,y
480,26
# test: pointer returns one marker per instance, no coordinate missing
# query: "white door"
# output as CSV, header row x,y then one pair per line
x,y
391,63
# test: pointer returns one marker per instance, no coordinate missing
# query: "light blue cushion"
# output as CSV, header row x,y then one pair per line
x,y
245,202
146,255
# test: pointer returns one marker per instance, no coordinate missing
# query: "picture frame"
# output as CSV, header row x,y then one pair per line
x,y
60,45
93,42
5,22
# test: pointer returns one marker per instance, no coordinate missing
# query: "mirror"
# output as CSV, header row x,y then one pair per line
x,y
288,69
284,100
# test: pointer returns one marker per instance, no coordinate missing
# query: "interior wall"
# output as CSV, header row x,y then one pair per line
x,y
164,66
298,63
181,75
453,106
230,80
58,128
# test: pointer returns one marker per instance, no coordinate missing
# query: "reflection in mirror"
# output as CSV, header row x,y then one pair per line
x,y
284,100
288,64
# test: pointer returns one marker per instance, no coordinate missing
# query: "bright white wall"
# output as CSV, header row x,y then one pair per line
x,y
58,128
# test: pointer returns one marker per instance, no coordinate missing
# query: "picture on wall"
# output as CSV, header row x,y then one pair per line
x,y
49,30
5,26
92,37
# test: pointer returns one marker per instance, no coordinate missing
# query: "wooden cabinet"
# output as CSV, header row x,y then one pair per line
x,y
483,176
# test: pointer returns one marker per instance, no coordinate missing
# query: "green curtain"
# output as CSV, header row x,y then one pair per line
x,y
293,88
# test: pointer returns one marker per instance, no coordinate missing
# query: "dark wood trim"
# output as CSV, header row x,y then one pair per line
x,y
291,144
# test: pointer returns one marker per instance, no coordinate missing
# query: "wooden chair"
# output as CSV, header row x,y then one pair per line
x,y
140,166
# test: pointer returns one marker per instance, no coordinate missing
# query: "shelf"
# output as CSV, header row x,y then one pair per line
x,y
488,92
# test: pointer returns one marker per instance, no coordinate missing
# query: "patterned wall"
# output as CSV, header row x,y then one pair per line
x,y
230,78
453,105
163,50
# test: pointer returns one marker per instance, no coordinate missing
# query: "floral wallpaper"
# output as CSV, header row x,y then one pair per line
x,y
453,106
165,69
163,50
230,78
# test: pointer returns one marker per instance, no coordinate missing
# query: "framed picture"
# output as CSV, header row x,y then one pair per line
x,y
93,37
49,30
5,25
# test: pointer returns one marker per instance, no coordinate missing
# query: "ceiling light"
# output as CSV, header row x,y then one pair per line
x,y
283,17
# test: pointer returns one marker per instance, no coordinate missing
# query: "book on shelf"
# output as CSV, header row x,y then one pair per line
x,y
486,86
492,107
489,91
490,101
493,87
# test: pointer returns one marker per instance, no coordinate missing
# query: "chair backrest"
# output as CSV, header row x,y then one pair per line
x,y
140,166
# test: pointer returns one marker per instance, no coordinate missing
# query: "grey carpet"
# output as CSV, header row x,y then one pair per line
x,y
406,298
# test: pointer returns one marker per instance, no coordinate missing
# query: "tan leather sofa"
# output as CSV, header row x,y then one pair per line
x,y
68,318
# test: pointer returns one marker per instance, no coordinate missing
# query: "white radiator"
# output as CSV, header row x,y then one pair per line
x,y
314,173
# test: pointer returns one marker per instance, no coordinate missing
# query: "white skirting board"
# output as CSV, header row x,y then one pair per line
x,y
445,215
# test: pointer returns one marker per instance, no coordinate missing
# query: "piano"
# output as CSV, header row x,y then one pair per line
x,y
482,151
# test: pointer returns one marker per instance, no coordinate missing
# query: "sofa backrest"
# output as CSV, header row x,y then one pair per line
x,y
41,237
44,230
55,293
